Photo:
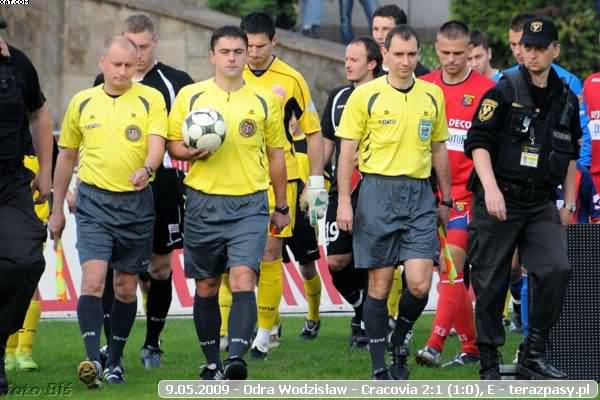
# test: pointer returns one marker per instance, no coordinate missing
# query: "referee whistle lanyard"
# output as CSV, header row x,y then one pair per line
x,y
446,255
61,288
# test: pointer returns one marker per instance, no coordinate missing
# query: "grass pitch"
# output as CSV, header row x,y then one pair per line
x,y
58,350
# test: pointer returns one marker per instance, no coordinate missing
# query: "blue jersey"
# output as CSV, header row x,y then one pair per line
x,y
574,83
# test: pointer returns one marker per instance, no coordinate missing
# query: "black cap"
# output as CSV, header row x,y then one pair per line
x,y
539,32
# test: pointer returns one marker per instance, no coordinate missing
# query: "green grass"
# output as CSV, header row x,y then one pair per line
x,y
58,349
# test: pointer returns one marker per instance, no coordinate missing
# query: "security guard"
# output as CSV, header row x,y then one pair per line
x,y
523,142
22,235
398,125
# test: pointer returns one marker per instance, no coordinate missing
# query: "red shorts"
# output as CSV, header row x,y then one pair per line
x,y
458,224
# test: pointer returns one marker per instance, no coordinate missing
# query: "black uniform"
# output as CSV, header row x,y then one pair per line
x,y
22,234
531,134
338,241
168,183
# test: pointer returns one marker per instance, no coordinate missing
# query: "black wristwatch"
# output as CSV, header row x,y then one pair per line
x,y
283,210
447,203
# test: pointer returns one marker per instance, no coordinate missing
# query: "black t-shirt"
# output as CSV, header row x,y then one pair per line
x,y
421,70
29,82
165,79
330,120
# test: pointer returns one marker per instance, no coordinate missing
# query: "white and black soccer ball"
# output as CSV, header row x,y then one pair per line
x,y
204,129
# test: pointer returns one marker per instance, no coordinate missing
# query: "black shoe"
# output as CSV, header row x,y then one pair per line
x,y
210,372
114,375
358,336
382,374
258,354
104,356
489,359
310,330
235,369
150,357
3,380
533,363
490,374
399,367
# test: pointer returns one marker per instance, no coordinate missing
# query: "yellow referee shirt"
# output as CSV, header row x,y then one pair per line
x,y
112,133
285,80
395,129
254,122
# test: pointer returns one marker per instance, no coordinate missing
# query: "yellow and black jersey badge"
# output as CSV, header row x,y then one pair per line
x,y
486,111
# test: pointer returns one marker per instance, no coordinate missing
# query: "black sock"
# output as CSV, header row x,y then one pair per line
x,y
122,318
157,308
375,318
345,282
242,319
410,309
3,339
108,298
207,320
89,315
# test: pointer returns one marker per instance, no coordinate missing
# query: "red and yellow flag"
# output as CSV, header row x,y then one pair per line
x,y
446,255
61,287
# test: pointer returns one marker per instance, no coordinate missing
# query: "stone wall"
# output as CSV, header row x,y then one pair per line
x,y
64,39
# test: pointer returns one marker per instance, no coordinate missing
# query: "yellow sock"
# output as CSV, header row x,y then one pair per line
x,y
29,328
12,343
270,288
225,300
506,304
394,296
312,288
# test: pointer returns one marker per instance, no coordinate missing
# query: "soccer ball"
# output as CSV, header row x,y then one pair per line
x,y
204,129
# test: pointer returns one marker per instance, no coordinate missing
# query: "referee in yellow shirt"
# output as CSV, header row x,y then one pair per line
x,y
398,125
119,129
227,213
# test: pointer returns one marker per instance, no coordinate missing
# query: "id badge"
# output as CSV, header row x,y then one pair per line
x,y
530,155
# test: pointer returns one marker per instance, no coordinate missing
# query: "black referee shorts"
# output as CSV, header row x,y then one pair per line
x,y
168,190
303,244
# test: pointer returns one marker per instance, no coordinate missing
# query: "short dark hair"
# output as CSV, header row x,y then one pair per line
x,y
139,23
454,29
479,38
404,31
518,21
227,31
391,11
258,22
373,52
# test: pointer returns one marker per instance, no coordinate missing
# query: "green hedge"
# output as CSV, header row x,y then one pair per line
x,y
576,20
283,11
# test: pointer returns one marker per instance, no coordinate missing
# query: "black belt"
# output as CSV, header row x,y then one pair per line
x,y
525,192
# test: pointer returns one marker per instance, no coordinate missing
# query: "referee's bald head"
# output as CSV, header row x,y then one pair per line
x,y
121,42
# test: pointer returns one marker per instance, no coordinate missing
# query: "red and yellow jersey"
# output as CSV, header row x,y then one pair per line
x,y
461,104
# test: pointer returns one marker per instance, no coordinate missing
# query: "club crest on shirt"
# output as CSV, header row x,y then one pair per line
x,y
468,100
486,111
425,129
247,127
133,133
